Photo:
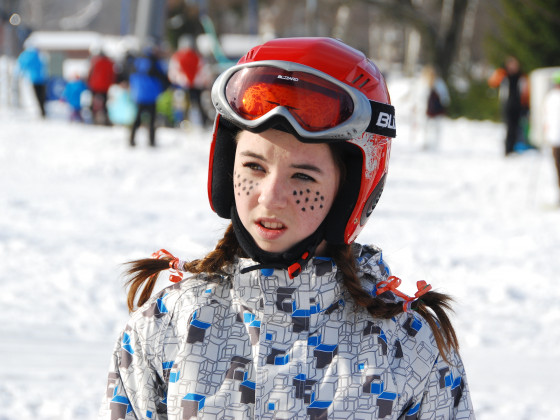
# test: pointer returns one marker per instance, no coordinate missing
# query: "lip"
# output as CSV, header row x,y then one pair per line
x,y
269,234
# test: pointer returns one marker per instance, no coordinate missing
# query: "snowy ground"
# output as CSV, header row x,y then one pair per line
x,y
76,203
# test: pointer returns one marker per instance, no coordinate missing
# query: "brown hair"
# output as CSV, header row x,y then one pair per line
x,y
433,306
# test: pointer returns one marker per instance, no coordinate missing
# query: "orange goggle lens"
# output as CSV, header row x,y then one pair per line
x,y
315,103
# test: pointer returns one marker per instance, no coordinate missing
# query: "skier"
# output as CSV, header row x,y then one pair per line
x,y
189,71
289,317
147,81
32,64
72,95
100,78
514,97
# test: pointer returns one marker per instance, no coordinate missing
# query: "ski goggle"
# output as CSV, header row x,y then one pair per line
x,y
319,107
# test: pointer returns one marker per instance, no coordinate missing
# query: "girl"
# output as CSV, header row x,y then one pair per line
x,y
288,317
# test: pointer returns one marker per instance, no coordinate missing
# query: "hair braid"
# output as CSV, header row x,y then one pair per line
x,y
432,307
144,272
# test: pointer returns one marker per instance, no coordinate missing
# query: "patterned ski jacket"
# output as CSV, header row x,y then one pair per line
x,y
260,345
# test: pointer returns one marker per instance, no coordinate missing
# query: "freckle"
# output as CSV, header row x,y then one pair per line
x,y
244,188
251,181
251,187
239,185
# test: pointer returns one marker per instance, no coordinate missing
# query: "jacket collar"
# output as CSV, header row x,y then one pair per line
x,y
308,298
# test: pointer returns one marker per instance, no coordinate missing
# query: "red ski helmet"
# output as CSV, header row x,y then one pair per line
x,y
318,75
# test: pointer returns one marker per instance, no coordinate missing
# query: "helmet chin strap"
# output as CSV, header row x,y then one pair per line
x,y
294,259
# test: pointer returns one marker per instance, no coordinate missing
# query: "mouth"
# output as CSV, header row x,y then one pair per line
x,y
271,225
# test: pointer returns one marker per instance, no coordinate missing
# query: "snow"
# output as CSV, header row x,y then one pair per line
x,y
77,203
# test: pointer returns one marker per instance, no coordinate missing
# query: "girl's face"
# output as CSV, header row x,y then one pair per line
x,y
283,188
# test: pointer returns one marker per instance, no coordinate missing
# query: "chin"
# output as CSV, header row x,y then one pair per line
x,y
275,248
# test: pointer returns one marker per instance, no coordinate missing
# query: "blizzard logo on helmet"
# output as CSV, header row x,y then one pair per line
x,y
293,79
382,119
386,120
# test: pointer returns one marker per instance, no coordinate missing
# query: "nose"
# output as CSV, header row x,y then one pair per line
x,y
273,193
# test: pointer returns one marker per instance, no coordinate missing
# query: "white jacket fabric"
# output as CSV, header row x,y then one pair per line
x,y
260,345
551,116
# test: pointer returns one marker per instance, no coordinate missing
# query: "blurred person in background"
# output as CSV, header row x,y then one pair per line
x,y
551,116
100,78
436,107
147,81
288,317
188,71
514,98
72,95
33,65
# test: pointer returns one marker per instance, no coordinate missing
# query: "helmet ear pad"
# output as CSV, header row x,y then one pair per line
x,y
348,191
356,197
222,159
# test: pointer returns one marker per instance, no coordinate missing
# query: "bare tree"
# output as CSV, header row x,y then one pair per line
x,y
439,23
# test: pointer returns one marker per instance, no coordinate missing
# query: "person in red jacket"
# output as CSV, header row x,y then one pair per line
x,y
187,71
101,76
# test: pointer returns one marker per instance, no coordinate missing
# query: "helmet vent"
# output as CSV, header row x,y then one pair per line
x,y
365,83
357,78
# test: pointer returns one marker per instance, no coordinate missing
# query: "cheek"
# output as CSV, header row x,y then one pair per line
x,y
243,186
310,201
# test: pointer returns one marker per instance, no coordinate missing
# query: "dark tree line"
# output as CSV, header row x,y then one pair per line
x,y
528,30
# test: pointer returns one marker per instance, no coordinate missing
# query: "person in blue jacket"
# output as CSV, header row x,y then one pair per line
x,y
147,81
32,64
289,317
72,94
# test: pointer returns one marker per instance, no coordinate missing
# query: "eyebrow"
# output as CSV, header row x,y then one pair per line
x,y
305,166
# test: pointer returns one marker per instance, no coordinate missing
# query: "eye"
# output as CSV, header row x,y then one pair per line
x,y
303,177
253,166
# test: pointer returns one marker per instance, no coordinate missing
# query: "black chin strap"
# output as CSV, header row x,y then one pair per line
x,y
293,260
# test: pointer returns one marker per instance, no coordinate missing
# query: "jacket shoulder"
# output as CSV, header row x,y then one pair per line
x,y
153,317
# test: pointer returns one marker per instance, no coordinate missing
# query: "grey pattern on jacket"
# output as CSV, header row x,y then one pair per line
x,y
260,345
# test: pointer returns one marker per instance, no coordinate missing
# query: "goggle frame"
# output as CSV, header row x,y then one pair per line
x,y
359,121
